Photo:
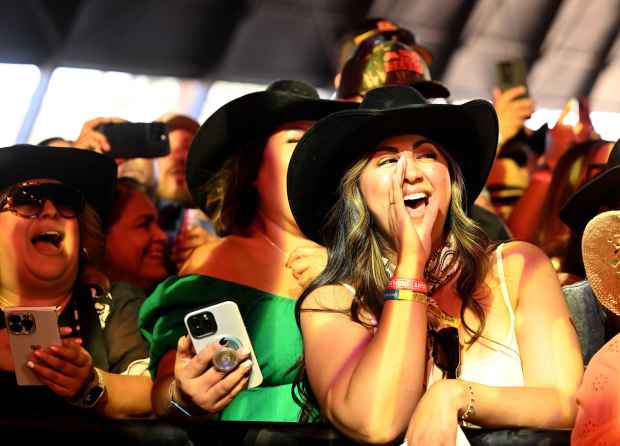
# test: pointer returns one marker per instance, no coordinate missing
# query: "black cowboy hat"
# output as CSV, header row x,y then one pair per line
x,y
383,60
90,172
467,132
244,119
584,204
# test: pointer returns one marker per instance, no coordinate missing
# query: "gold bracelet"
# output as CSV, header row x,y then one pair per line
x,y
470,410
178,406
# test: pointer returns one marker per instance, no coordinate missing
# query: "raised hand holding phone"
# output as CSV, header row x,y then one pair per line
x,y
511,98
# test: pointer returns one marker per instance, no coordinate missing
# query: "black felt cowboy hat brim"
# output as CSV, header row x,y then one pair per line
x,y
245,119
467,132
584,204
431,89
90,172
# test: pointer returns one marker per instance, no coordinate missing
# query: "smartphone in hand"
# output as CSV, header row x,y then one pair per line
x,y
210,324
511,73
136,139
29,328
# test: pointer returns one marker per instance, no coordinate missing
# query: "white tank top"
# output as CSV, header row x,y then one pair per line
x,y
502,368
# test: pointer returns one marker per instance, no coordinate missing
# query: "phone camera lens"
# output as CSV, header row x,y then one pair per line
x,y
27,323
201,325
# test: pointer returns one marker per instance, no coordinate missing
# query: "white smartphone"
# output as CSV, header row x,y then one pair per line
x,y
210,324
28,327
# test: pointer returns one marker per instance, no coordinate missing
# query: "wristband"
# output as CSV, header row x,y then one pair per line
x,y
405,295
415,285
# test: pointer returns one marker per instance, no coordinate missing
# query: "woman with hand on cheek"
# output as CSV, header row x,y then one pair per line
x,y
427,324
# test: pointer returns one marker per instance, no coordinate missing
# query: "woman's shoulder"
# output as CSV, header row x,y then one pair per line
x,y
204,254
337,297
516,254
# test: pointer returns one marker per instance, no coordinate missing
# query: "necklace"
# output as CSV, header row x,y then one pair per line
x,y
271,242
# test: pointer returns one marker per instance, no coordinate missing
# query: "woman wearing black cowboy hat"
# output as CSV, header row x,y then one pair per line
x,y
52,204
236,172
411,277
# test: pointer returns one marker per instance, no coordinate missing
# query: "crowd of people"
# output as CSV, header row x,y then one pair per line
x,y
408,270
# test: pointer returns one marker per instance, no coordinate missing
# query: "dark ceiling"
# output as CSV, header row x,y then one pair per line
x,y
572,46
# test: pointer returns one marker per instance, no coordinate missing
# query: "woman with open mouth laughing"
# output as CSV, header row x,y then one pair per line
x,y
418,323
52,204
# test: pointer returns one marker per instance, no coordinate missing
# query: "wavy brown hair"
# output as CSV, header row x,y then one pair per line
x,y
231,198
356,248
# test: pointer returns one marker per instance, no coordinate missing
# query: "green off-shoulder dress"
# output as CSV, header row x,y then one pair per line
x,y
269,319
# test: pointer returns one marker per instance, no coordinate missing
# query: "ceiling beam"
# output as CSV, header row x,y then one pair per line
x,y
453,38
600,60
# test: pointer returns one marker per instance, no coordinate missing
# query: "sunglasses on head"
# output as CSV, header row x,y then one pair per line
x,y
28,200
446,350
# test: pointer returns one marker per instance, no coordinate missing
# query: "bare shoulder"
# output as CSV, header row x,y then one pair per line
x,y
517,255
329,298
204,254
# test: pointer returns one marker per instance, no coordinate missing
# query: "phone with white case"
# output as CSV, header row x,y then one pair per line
x,y
223,320
28,327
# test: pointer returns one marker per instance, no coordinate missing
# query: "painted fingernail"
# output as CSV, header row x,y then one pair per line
x,y
30,364
223,341
247,364
54,348
38,353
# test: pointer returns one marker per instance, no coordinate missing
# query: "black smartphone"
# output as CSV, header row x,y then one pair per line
x,y
511,73
136,139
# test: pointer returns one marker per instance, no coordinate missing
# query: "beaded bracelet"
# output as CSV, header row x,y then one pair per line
x,y
406,295
470,410
415,285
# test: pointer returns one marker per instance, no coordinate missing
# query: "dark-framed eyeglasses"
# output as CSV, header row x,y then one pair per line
x,y
446,350
28,200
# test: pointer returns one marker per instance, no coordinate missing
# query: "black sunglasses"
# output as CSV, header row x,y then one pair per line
x,y
28,200
446,350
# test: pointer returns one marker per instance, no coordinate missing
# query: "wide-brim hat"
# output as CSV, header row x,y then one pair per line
x,y
601,257
384,60
92,173
252,116
467,132
584,204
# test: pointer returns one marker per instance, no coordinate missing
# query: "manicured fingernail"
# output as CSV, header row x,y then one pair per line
x,y
30,364
54,348
38,353
247,364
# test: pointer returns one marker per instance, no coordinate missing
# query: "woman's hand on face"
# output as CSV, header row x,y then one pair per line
x,y
198,384
412,243
66,368
435,419
306,263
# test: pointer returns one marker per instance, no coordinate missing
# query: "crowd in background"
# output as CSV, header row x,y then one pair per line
x,y
407,269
